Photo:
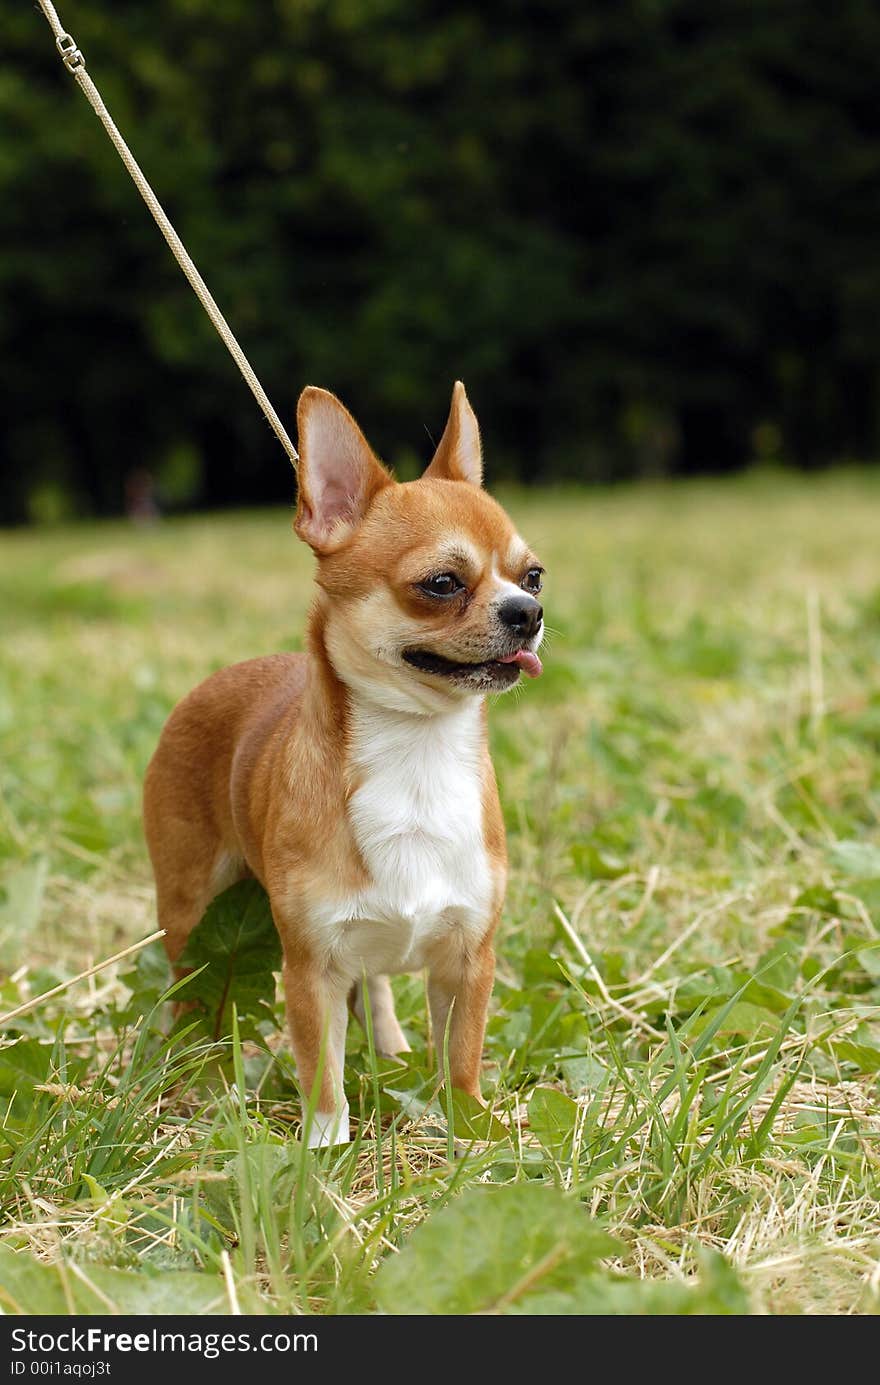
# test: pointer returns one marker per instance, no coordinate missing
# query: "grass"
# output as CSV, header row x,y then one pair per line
x,y
684,1045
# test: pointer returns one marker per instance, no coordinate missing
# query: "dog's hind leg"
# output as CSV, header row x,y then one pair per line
x,y
388,1036
182,896
190,863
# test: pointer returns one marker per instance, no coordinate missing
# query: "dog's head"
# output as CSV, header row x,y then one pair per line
x,y
430,594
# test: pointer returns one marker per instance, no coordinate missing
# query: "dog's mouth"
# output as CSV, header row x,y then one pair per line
x,y
500,673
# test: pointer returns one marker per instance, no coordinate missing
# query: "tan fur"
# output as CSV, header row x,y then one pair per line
x,y
255,771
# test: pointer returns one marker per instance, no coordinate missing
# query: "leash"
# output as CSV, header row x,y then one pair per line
x,y
76,65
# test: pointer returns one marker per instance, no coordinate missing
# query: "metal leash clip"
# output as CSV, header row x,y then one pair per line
x,y
70,54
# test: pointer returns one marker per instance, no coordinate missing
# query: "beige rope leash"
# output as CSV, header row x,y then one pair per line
x,y
75,63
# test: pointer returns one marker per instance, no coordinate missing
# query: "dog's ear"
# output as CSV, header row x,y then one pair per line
x,y
338,473
459,455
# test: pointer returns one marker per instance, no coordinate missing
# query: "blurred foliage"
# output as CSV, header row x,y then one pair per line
x,y
643,233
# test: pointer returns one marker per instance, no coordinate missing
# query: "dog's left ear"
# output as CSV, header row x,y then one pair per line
x,y
459,456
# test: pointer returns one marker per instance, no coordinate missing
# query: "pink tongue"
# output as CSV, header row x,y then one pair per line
x,y
529,663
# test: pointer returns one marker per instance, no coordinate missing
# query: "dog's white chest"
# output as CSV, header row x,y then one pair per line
x,y
417,818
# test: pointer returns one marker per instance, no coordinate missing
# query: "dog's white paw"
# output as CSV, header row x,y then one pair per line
x,y
329,1128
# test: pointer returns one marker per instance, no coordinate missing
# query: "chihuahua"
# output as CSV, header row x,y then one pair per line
x,y
354,781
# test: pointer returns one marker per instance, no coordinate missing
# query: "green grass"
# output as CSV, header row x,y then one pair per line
x,y
684,1044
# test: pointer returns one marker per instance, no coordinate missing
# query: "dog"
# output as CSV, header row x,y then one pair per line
x,y
354,780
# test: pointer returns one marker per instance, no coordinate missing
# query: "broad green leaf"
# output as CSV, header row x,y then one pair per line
x,y
22,1066
766,997
868,891
147,980
743,1018
869,958
96,1192
866,1057
491,1248
539,967
271,1167
21,902
779,968
815,899
582,1072
552,1118
29,1287
595,863
408,1086
474,1121
237,943
172,1291
860,860
717,1292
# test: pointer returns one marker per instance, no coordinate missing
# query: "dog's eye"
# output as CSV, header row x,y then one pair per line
x,y
444,584
532,582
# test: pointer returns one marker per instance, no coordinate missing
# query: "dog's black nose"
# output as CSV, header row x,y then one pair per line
x,y
522,614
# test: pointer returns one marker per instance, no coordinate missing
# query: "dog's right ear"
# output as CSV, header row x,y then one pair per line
x,y
338,473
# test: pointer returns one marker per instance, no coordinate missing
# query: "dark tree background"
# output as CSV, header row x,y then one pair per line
x,y
644,232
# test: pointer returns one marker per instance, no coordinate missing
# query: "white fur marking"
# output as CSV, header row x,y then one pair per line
x,y
417,817
502,583
329,1128
508,588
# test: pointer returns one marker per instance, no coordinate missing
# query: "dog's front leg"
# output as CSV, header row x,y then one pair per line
x,y
317,1017
459,1000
